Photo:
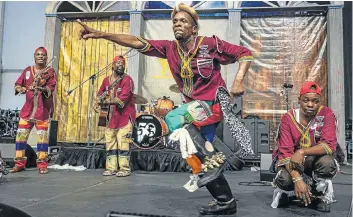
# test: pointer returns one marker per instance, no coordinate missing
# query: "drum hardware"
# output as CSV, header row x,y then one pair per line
x,y
285,93
174,88
139,99
147,108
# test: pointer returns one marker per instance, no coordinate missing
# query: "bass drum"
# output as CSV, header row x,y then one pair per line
x,y
149,131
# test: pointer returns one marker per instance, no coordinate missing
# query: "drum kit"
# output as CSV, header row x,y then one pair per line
x,y
150,128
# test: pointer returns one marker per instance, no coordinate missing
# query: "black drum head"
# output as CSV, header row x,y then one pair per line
x,y
147,132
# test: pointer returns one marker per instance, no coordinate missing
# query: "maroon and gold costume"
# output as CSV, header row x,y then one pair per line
x,y
35,112
317,170
322,131
197,74
123,92
122,116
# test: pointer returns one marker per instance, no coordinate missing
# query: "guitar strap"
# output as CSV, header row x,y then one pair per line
x,y
112,87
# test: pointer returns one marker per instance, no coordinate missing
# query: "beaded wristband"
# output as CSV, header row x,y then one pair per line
x,y
296,179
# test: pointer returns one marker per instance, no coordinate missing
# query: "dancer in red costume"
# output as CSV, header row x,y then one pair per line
x,y
195,62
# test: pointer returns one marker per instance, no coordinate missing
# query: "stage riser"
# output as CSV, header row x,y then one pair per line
x,y
162,160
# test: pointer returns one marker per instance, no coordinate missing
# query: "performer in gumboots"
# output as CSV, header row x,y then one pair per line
x,y
195,62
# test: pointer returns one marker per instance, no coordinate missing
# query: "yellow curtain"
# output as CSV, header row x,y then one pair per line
x,y
78,61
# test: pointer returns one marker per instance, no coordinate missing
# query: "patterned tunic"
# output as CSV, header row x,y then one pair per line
x,y
197,74
125,111
292,136
45,99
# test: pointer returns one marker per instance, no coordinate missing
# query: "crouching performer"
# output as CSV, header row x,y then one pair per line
x,y
303,158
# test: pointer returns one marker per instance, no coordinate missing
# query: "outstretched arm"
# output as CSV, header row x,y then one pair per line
x,y
121,39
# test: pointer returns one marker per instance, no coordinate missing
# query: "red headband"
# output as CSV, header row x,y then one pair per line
x,y
306,88
118,58
41,48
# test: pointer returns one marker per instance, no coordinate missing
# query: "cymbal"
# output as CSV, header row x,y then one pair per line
x,y
139,99
174,88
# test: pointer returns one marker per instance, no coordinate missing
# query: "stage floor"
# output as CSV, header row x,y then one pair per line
x,y
89,194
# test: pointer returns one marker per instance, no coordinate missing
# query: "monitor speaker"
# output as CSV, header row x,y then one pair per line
x,y
265,164
53,132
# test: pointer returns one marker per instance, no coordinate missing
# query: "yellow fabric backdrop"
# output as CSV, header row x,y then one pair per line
x,y
79,60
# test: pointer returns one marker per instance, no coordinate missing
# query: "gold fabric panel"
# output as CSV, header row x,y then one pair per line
x,y
79,60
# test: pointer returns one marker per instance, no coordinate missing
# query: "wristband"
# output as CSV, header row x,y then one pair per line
x,y
297,179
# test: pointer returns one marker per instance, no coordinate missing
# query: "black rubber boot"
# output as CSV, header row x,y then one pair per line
x,y
320,205
213,162
224,202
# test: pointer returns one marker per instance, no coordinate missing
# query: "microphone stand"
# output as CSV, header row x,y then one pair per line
x,y
92,78
285,93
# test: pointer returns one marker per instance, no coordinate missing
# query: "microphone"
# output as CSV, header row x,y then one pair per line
x,y
68,93
285,85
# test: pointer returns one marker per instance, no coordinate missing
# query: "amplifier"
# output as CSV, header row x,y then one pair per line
x,y
265,164
8,151
53,132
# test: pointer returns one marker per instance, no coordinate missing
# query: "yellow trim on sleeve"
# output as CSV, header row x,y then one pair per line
x,y
326,147
284,161
146,48
246,58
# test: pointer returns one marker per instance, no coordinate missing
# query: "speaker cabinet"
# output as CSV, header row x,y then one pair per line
x,y
53,133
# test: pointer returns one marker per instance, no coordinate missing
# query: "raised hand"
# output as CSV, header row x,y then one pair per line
x,y
88,32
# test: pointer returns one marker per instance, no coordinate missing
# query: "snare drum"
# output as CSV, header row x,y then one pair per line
x,y
148,131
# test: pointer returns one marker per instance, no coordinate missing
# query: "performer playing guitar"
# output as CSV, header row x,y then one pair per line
x,y
116,92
